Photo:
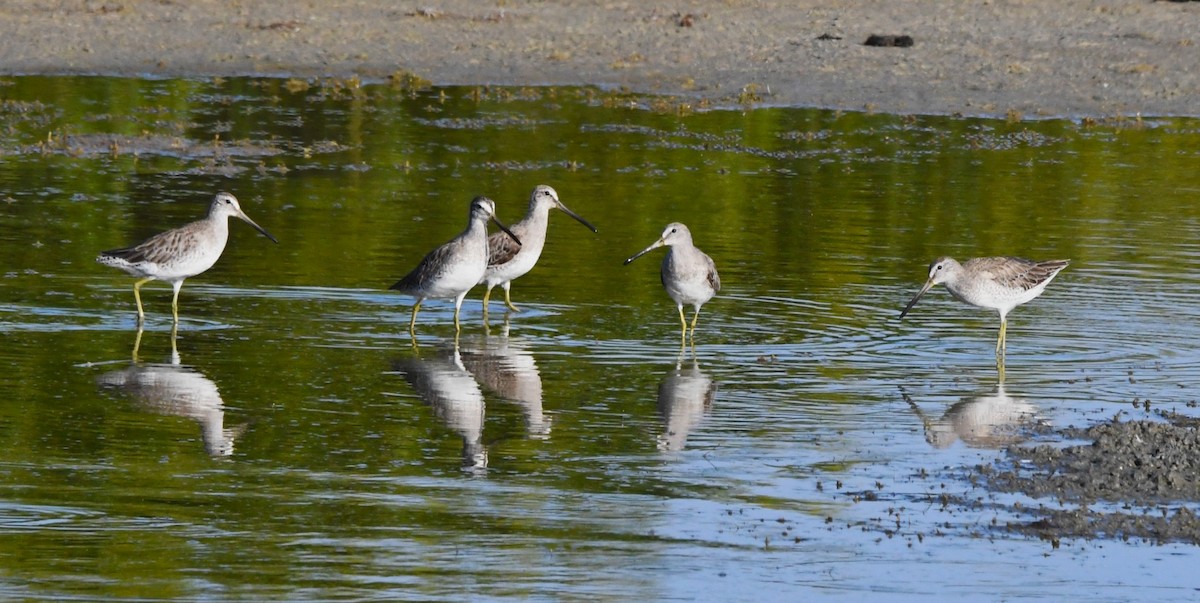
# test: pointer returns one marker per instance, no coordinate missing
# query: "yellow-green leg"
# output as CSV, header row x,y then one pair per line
x,y
695,318
175,301
175,343
137,296
458,305
507,301
1000,347
487,295
137,343
412,322
683,322
1000,342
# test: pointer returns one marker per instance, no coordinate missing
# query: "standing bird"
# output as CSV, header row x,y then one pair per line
x,y
688,274
454,268
508,261
183,252
999,283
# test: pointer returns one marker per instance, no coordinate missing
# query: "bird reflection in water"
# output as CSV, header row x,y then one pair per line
x,y
684,396
441,380
993,420
178,390
505,366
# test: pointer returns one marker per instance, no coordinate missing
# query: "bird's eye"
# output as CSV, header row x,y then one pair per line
x,y
939,267
674,230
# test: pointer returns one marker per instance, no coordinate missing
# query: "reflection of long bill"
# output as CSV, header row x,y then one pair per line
x,y
917,297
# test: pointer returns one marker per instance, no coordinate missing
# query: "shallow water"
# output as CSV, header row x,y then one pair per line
x,y
298,444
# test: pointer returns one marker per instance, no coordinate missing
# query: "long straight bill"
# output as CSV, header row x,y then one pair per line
x,y
643,252
917,297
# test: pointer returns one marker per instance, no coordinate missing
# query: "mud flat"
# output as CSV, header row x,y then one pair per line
x,y
1126,480
979,57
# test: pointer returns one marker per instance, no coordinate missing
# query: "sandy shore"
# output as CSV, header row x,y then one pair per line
x,y
1036,58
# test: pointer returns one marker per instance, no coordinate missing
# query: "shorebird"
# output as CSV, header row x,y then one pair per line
x,y
454,268
998,283
180,253
507,260
688,274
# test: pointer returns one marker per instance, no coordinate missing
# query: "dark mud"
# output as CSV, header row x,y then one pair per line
x,y
1128,480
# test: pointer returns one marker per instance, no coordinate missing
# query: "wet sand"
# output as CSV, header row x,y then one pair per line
x,y
980,57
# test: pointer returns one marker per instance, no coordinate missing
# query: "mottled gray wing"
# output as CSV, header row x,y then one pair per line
x,y
501,249
432,265
160,248
714,279
1018,273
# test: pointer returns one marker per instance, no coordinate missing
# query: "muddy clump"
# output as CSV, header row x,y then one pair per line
x,y
1133,480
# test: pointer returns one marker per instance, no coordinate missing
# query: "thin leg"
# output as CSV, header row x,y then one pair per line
x,y
457,305
137,343
412,322
137,295
1000,343
695,317
683,322
507,301
175,301
175,344
486,296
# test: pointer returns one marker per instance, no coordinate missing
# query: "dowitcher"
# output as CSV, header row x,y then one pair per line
x,y
180,253
508,260
688,274
450,271
998,283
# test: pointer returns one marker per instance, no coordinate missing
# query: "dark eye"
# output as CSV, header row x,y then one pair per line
x,y
939,267
674,230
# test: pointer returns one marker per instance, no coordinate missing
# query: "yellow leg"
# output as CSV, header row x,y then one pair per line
x,y
1000,342
137,343
458,305
695,318
175,302
1000,345
175,343
412,322
507,301
137,295
487,295
683,322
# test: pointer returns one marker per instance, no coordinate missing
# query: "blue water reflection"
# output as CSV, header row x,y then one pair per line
x,y
311,448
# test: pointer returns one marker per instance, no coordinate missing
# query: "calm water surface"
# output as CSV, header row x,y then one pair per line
x,y
298,444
